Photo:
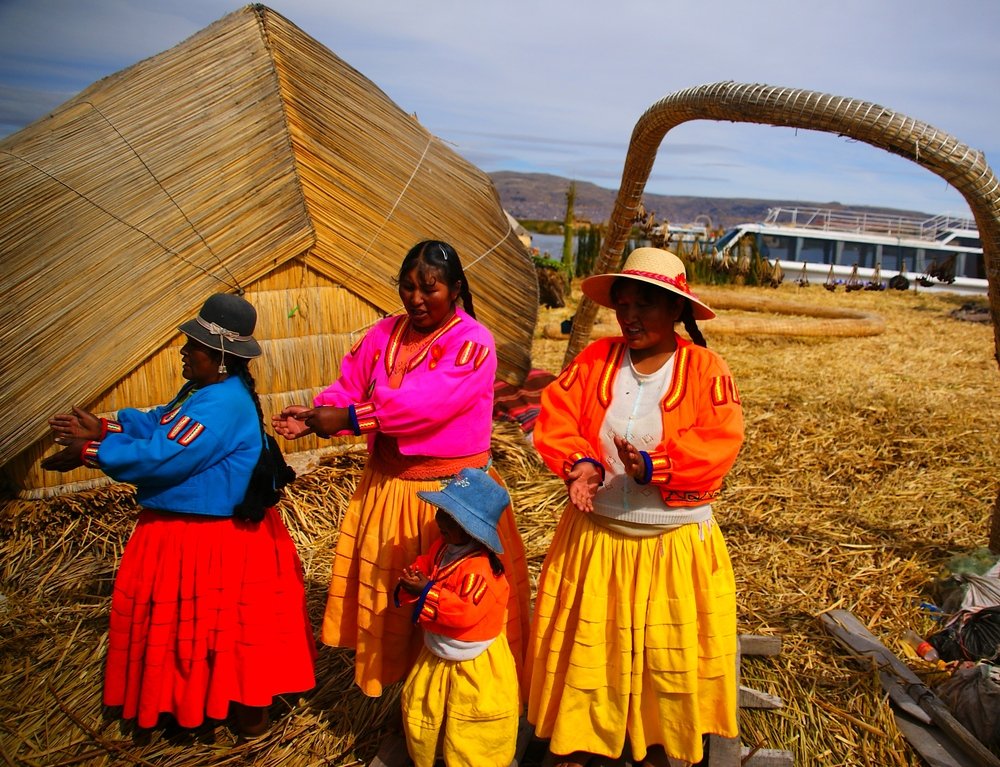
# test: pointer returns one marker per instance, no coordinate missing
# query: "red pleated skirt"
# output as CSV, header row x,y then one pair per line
x,y
205,611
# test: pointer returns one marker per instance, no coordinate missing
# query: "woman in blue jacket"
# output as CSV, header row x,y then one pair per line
x,y
208,614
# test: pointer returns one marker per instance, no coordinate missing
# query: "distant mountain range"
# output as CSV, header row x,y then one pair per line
x,y
539,196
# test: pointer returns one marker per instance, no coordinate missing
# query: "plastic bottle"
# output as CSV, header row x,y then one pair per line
x,y
921,646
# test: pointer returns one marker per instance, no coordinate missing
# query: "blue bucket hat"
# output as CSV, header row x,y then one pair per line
x,y
475,501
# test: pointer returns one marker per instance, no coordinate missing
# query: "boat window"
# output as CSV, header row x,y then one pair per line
x,y
864,254
967,242
899,259
778,247
974,266
817,251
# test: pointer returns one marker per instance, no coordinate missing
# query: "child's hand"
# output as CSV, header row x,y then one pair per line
x,y
413,580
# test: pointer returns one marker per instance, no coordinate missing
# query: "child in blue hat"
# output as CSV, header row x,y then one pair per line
x,y
463,688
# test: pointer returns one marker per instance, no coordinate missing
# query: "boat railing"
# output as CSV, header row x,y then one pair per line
x,y
845,220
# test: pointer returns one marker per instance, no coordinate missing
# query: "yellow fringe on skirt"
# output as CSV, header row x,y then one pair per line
x,y
633,636
465,710
383,530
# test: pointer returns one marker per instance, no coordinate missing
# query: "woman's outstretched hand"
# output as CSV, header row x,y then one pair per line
x,y
326,419
79,424
288,424
67,459
632,460
298,420
582,482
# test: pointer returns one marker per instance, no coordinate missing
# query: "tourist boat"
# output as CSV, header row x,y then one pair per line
x,y
824,246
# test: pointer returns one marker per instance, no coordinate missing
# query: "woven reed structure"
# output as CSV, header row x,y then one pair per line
x,y
248,157
960,165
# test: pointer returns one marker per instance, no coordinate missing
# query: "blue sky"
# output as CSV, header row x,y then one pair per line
x,y
553,86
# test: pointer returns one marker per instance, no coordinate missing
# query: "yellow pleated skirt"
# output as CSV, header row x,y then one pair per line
x,y
633,637
383,530
466,711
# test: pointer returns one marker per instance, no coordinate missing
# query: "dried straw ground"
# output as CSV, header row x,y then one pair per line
x,y
868,463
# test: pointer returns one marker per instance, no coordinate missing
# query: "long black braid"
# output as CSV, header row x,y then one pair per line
x,y
495,564
442,258
691,326
241,367
271,473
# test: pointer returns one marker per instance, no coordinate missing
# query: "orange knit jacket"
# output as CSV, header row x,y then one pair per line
x,y
465,599
702,419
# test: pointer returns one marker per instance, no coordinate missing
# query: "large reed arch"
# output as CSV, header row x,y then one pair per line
x,y
960,165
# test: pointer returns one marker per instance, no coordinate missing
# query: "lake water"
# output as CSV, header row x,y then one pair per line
x,y
553,243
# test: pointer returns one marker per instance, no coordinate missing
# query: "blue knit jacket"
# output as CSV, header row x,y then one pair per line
x,y
193,455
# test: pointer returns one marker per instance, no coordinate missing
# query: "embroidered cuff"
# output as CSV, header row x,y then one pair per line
x,y
418,608
89,453
395,595
586,459
110,426
429,606
363,418
352,417
659,470
647,471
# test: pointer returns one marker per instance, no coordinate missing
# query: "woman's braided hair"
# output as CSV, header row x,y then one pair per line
x,y
691,326
271,473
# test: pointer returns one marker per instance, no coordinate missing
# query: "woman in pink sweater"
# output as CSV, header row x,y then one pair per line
x,y
420,386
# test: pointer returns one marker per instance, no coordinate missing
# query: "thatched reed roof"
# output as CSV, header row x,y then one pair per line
x,y
247,157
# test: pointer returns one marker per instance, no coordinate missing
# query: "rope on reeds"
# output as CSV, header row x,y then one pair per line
x,y
963,167
395,203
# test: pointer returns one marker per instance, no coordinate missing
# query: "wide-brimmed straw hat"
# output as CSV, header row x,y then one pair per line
x,y
226,323
655,266
475,501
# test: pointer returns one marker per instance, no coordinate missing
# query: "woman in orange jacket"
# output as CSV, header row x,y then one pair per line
x,y
634,633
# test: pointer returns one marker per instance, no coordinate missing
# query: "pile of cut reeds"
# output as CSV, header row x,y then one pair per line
x,y
868,463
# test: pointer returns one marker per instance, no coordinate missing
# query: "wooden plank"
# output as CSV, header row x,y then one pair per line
x,y
854,635
935,749
849,632
766,757
754,644
747,697
724,752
